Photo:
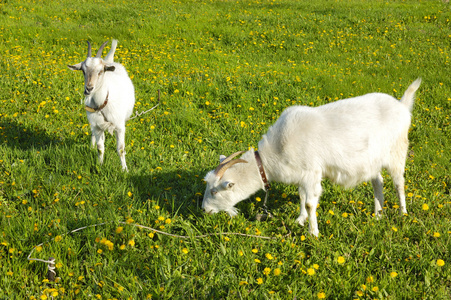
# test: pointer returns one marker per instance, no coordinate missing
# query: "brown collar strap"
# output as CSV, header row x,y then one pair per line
x,y
93,110
262,171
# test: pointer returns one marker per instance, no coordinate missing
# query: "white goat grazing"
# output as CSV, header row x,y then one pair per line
x,y
109,98
347,141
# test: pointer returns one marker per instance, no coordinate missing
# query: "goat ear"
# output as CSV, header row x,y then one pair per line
x,y
76,67
109,68
221,158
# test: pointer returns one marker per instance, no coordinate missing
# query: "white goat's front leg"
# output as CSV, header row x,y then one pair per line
x,y
93,140
312,194
100,141
120,139
378,188
303,215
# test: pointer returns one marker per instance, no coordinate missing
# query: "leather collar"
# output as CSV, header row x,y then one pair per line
x,y
93,110
262,171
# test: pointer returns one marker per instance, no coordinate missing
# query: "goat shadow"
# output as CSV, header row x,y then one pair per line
x,y
17,135
182,192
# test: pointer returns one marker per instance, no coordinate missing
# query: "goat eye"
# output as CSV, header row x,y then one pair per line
x,y
213,192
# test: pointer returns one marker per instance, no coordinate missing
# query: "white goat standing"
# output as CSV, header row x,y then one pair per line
x,y
347,141
109,98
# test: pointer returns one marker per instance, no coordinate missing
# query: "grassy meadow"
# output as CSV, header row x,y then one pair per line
x,y
226,70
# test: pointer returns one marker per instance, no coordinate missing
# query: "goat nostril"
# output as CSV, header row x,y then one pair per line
x,y
88,90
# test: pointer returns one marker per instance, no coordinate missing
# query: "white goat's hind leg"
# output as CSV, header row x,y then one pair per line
x,y
304,215
378,188
398,180
396,170
312,203
120,138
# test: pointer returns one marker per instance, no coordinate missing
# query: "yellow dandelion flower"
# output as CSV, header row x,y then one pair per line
x,y
440,262
119,230
130,194
110,245
240,253
359,293
122,247
131,243
269,256
425,206
277,272
58,238
341,260
254,250
257,260
267,271
321,295
243,282
185,250
311,271
393,274
344,215
436,234
369,279
258,199
315,266
375,289
259,281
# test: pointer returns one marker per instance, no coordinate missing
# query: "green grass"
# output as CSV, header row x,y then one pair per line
x,y
226,70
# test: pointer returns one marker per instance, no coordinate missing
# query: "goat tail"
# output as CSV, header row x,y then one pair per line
x,y
110,56
409,95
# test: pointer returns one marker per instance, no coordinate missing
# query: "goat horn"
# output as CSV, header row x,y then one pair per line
x,y
99,52
220,170
232,156
227,163
89,49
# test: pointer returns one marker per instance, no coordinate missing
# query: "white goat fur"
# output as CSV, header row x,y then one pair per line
x,y
348,141
105,77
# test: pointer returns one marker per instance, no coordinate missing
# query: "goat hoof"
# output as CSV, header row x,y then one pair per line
x,y
301,220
